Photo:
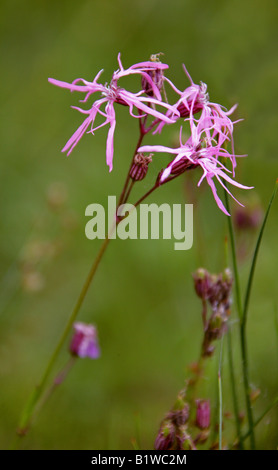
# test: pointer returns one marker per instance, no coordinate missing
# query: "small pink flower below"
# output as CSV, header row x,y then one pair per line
x,y
85,342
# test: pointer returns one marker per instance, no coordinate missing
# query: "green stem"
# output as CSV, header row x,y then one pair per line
x,y
262,416
243,313
246,386
253,265
239,309
242,332
244,321
36,394
234,392
220,396
56,382
234,260
123,193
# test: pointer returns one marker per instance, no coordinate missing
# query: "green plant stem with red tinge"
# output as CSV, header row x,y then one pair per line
x,y
28,411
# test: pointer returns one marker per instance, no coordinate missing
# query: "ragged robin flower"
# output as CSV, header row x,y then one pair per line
x,y
213,116
112,93
198,152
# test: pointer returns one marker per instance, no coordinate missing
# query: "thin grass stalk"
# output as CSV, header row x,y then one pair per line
x,y
243,344
234,391
239,309
220,396
244,321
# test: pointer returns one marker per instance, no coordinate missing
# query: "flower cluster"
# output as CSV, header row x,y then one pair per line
x,y
177,431
210,126
173,433
112,94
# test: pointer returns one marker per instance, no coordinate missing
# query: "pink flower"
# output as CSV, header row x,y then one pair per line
x,y
198,152
111,94
215,120
84,342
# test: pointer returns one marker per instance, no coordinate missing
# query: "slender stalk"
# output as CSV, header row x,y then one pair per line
x,y
28,411
253,265
36,394
145,195
220,396
243,312
155,186
246,386
128,191
242,334
244,321
234,392
123,193
234,260
61,376
275,401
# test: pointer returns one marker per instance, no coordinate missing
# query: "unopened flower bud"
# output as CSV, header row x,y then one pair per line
x,y
140,166
84,342
202,283
166,436
203,414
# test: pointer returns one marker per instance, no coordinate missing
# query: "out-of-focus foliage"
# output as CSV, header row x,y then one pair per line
x,y
142,300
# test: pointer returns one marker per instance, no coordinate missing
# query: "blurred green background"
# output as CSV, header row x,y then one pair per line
x,y
142,299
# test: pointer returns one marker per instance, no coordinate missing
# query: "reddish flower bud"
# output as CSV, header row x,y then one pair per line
x,y
166,436
203,414
202,283
140,166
